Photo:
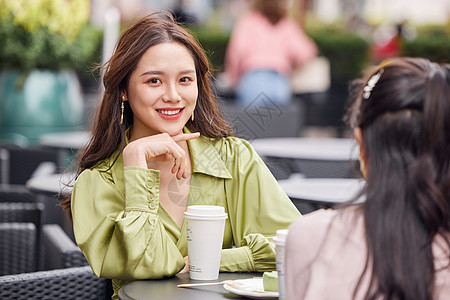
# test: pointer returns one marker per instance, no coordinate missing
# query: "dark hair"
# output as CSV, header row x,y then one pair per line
x,y
107,132
273,10
405,125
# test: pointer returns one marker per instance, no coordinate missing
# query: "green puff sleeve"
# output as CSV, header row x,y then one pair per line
x,y
257,207
118,229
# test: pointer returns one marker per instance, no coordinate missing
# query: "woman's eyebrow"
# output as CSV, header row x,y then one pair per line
x,y
161,73
152,73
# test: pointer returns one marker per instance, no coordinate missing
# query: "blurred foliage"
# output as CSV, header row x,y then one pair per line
x,y
347,52
214,42
432,42
47,34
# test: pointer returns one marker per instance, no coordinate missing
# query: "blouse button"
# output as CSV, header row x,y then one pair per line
x,y
149,184
151,197
152,205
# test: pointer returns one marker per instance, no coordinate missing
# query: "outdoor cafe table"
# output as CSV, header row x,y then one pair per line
x,y
336,149
321,192
51,184
167,288
313,157
71,140
66,143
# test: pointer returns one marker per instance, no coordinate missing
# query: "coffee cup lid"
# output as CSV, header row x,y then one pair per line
x,y
281,236
205,212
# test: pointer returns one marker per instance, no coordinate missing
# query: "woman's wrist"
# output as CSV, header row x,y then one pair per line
x,y
133,156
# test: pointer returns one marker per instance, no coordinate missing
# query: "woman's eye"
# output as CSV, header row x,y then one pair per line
x,y
153,81
186,79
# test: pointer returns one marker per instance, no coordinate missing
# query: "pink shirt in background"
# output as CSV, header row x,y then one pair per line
x,y
257,44
326,253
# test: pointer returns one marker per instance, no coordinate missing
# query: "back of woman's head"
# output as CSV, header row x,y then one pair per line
x,y
273,10
403,111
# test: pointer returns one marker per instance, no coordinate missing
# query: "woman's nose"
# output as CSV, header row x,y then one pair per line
x,y
171,93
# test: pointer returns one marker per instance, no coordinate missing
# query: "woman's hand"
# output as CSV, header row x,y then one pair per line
x,y
186,267
159,147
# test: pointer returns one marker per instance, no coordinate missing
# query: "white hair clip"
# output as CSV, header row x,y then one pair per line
x,y
371,84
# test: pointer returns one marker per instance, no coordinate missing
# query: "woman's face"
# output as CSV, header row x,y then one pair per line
x,y
162,91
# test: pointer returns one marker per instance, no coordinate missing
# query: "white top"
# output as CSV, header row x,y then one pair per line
x,y
326,254
338,149
329,190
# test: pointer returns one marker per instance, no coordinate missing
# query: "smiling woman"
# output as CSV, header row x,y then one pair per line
x,y
159,144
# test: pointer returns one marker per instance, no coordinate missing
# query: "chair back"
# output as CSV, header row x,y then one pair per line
x,y
312,168
69,284
16,193
17,164
264,121
17,248
59,251
25,213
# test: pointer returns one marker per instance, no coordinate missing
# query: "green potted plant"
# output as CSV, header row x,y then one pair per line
x,y
43,44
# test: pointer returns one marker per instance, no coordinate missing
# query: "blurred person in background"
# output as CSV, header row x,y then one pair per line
x,y
395,245
264,47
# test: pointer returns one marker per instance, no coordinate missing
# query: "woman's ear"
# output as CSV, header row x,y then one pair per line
x,y
123,96
357,133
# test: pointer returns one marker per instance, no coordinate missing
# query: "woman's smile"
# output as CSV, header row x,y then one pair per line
x,y
170,113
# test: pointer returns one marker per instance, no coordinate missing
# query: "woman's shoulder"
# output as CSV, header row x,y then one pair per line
x,y
315,220
323,221
232,145
102,169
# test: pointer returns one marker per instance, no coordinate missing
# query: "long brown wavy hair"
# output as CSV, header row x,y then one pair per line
x,y
107,132
405,123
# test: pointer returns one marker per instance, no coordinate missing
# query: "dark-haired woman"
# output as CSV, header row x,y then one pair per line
x,y
394,246
159,143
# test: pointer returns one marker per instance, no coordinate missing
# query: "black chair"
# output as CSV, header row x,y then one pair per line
x,y
18,164
16,193
69,284
281,168
17,248
58,250
265,120
311,168
22,212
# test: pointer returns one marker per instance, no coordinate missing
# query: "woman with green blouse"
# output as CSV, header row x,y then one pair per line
x,y
159,144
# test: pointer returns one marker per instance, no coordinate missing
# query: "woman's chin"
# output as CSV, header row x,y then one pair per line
x,y
174,132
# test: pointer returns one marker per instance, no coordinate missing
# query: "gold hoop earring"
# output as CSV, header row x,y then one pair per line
x,y
122,107
192,116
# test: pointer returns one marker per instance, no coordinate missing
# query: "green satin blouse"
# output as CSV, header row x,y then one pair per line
x,y
126,235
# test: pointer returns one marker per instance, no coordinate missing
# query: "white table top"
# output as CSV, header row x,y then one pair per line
x,y
51,184
323,190
66,140
336,149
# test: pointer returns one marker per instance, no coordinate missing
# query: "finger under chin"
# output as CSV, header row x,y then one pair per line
x,y
185,136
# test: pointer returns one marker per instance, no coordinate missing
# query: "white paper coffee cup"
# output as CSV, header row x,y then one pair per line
x,y
280,241
204,227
